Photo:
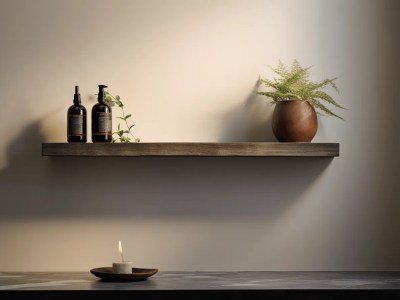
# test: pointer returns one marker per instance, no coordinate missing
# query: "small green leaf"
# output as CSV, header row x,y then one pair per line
x,y
131,126
108,98
128,116
119,126
117,97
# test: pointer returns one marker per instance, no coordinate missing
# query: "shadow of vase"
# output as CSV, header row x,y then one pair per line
x,y
250,121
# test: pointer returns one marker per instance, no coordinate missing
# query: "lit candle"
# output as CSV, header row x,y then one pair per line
x,y
123,267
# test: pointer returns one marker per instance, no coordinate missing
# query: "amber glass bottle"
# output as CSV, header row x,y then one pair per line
x,y
76,120
101,119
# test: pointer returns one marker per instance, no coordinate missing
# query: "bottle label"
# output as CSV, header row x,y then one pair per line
x,y
105,124
75,125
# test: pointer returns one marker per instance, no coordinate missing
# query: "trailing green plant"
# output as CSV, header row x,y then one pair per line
x,y
124,132
294,84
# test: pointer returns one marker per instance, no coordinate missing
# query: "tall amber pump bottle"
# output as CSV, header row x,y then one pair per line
x,y
76,120
101,119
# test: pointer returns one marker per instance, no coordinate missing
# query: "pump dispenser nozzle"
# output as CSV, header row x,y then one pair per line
x,y
100,96
102,87
77,96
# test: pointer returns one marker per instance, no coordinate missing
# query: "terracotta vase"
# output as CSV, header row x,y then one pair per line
x,y
294,121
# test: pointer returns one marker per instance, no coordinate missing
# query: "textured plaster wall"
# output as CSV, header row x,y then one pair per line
x,y
187,70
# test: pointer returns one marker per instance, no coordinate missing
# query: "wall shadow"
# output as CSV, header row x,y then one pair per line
x,y
33,186
250,121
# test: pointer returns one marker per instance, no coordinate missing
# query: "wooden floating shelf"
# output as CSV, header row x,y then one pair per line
x,y
191,149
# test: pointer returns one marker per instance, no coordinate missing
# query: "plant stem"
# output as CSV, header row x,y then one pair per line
x,y
127,125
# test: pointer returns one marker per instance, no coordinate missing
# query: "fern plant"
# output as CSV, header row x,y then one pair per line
x,y
294,84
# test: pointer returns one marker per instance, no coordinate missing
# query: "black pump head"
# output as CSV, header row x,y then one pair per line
x,y
77,96
101,95
102,87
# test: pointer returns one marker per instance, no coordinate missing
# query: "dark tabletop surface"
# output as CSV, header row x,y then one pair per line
x,y
81,281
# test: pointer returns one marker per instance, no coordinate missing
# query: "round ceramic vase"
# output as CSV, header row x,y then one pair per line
x,y
294,121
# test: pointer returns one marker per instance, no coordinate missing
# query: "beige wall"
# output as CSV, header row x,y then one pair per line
x,y
187,70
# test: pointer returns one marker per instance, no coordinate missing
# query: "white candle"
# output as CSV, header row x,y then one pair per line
x,y
123,267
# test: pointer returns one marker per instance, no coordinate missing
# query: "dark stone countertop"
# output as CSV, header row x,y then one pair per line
x,y
198,285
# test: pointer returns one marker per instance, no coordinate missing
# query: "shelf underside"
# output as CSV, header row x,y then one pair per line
x,y
191,149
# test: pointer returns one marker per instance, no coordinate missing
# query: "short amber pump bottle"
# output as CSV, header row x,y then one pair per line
x,y
101,119
76,120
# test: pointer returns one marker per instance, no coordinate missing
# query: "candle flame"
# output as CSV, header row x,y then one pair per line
x,y
119,247
120,250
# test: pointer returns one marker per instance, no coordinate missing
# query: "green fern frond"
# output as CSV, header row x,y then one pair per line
x,y
322,107
328,98
281,69
270,83
294,84
277,96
